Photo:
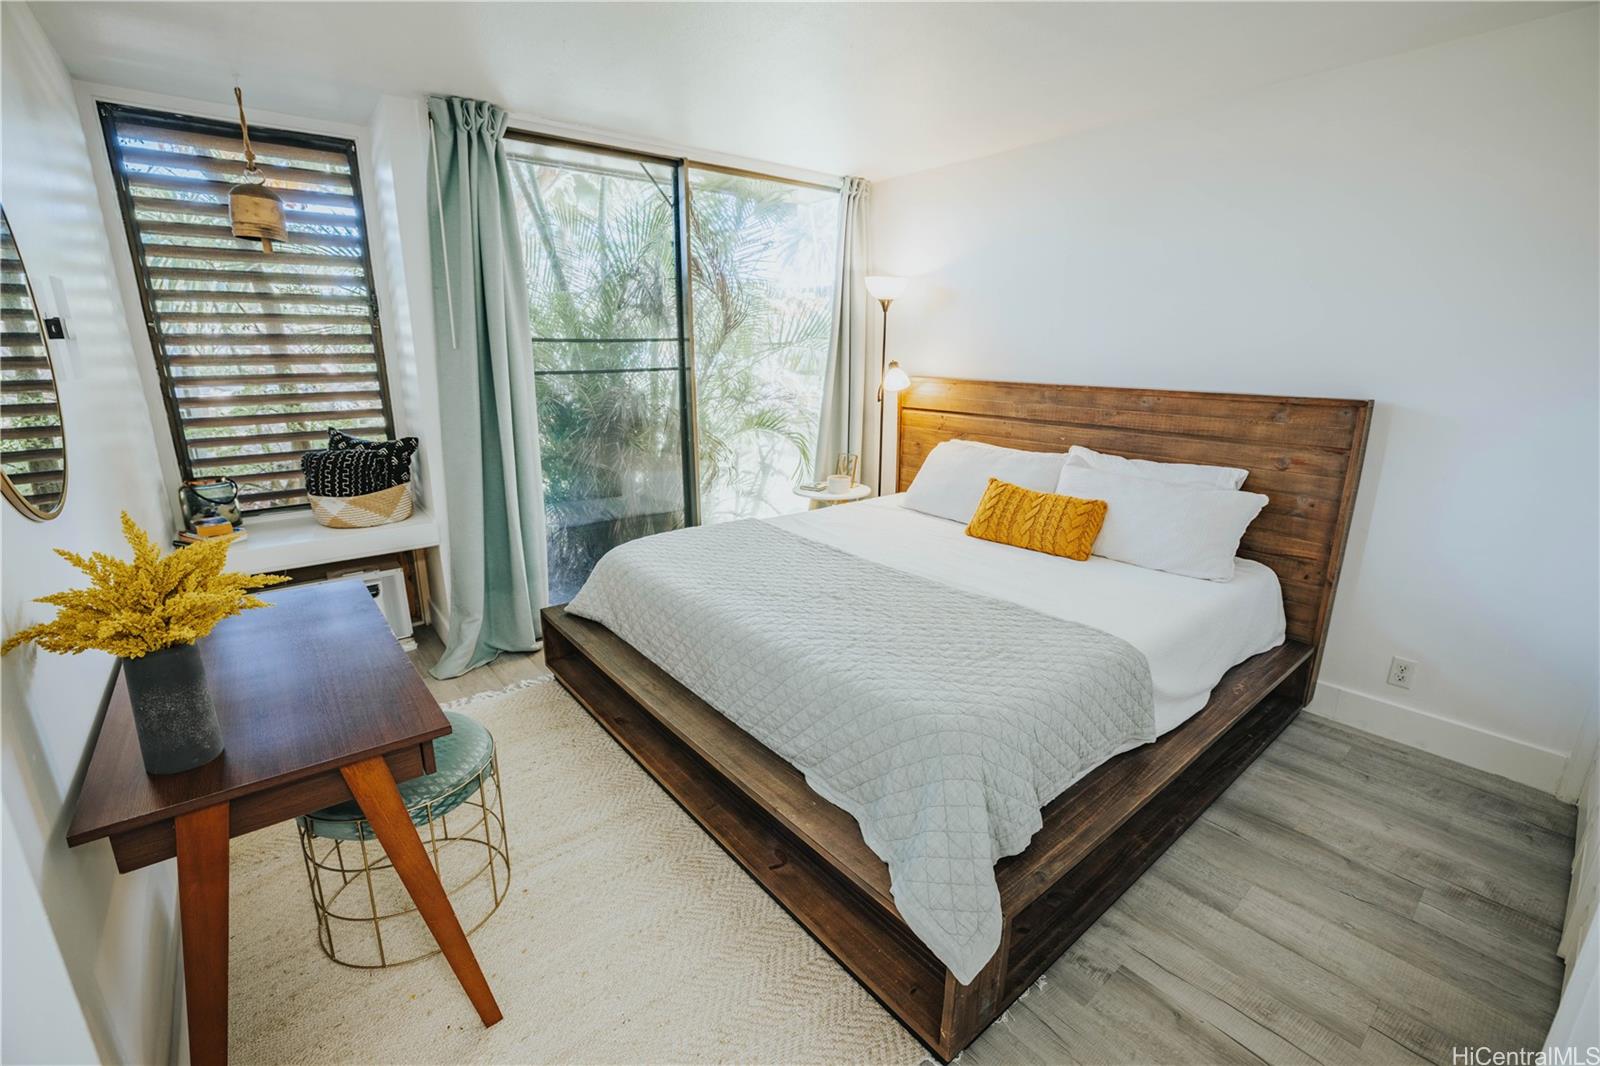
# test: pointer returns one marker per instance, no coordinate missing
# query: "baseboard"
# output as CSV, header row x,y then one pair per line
x,y
1469,745
1581,765
439,619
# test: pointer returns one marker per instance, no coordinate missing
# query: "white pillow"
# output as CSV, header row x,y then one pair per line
x,y
956,473
1215,477
1182,529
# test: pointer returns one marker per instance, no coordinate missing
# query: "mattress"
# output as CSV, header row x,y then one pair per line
x,y
1190,631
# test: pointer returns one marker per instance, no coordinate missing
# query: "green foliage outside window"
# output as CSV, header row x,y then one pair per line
x,y
599,239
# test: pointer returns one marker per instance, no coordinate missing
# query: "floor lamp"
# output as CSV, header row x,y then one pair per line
x,y
891,378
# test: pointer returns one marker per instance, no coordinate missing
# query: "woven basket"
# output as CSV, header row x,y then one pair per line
x,y
379,508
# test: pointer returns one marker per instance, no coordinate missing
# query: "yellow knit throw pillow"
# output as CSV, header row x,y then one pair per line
x,y
1038,521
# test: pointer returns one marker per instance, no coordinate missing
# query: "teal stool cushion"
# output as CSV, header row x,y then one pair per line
x,y
457,757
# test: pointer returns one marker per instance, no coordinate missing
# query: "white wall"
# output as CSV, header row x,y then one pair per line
x,y
397,218
1420,230
100,967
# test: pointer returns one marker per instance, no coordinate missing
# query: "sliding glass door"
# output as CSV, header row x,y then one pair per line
x,y
764,254
641,430
600,232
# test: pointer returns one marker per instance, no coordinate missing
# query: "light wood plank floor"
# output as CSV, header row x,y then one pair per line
x,y
1348,900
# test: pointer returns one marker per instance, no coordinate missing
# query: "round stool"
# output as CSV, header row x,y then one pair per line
x,y
354,888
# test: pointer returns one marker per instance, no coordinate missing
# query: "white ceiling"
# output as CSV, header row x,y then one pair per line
x,y
843,88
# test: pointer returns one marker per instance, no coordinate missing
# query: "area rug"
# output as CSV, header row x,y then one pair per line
x,y
627,936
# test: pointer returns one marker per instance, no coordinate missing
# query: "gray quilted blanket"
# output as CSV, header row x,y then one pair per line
x,y
941,720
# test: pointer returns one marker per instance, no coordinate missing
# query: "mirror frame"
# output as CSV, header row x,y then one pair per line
x,y
7,489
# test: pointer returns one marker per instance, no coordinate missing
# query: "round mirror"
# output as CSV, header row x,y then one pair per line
x,y
33,447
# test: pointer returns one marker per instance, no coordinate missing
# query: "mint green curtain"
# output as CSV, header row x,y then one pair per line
x,y
844,424
492,485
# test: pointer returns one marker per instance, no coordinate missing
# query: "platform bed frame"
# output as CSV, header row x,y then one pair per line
x,y
1102,833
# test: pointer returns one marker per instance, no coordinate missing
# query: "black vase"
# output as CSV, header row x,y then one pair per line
x,y
172,710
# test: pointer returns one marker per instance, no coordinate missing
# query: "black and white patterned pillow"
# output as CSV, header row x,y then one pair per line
x,y
350,472
397,452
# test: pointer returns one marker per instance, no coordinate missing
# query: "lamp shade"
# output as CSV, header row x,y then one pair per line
x,y
894,379
884,287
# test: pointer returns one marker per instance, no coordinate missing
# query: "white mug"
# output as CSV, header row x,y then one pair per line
x,y
838,484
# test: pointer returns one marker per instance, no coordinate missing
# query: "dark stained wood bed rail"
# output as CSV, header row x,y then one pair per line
x,y
1101,834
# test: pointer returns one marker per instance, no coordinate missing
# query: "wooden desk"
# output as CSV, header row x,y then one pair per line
x,y
318,705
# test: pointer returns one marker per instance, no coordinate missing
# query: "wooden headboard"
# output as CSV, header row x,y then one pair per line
x,y
1303,452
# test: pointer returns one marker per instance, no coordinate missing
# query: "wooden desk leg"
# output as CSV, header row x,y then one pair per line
x,y
373,786
203,911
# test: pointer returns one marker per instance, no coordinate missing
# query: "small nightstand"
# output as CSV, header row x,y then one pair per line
x,y
824,498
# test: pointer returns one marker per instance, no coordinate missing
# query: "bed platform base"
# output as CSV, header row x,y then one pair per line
x,y
1098,837
1304,453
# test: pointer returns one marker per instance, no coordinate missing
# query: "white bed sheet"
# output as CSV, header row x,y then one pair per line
x,y
1190,631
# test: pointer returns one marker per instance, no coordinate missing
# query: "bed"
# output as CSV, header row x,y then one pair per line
x,y
1104,830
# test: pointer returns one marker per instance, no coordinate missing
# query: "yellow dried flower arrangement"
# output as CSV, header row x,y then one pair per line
x,y
131,609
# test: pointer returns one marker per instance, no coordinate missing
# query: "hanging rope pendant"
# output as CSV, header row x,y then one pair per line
x,y
255,212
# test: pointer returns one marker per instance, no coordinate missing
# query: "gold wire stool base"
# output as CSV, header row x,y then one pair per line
x,y
356,892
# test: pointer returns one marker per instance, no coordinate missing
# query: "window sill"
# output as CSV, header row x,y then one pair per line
x,y
295,539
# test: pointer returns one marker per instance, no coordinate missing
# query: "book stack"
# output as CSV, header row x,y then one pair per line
x,y
188,537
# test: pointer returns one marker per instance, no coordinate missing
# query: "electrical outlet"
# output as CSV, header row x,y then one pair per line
x,y
1400,671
